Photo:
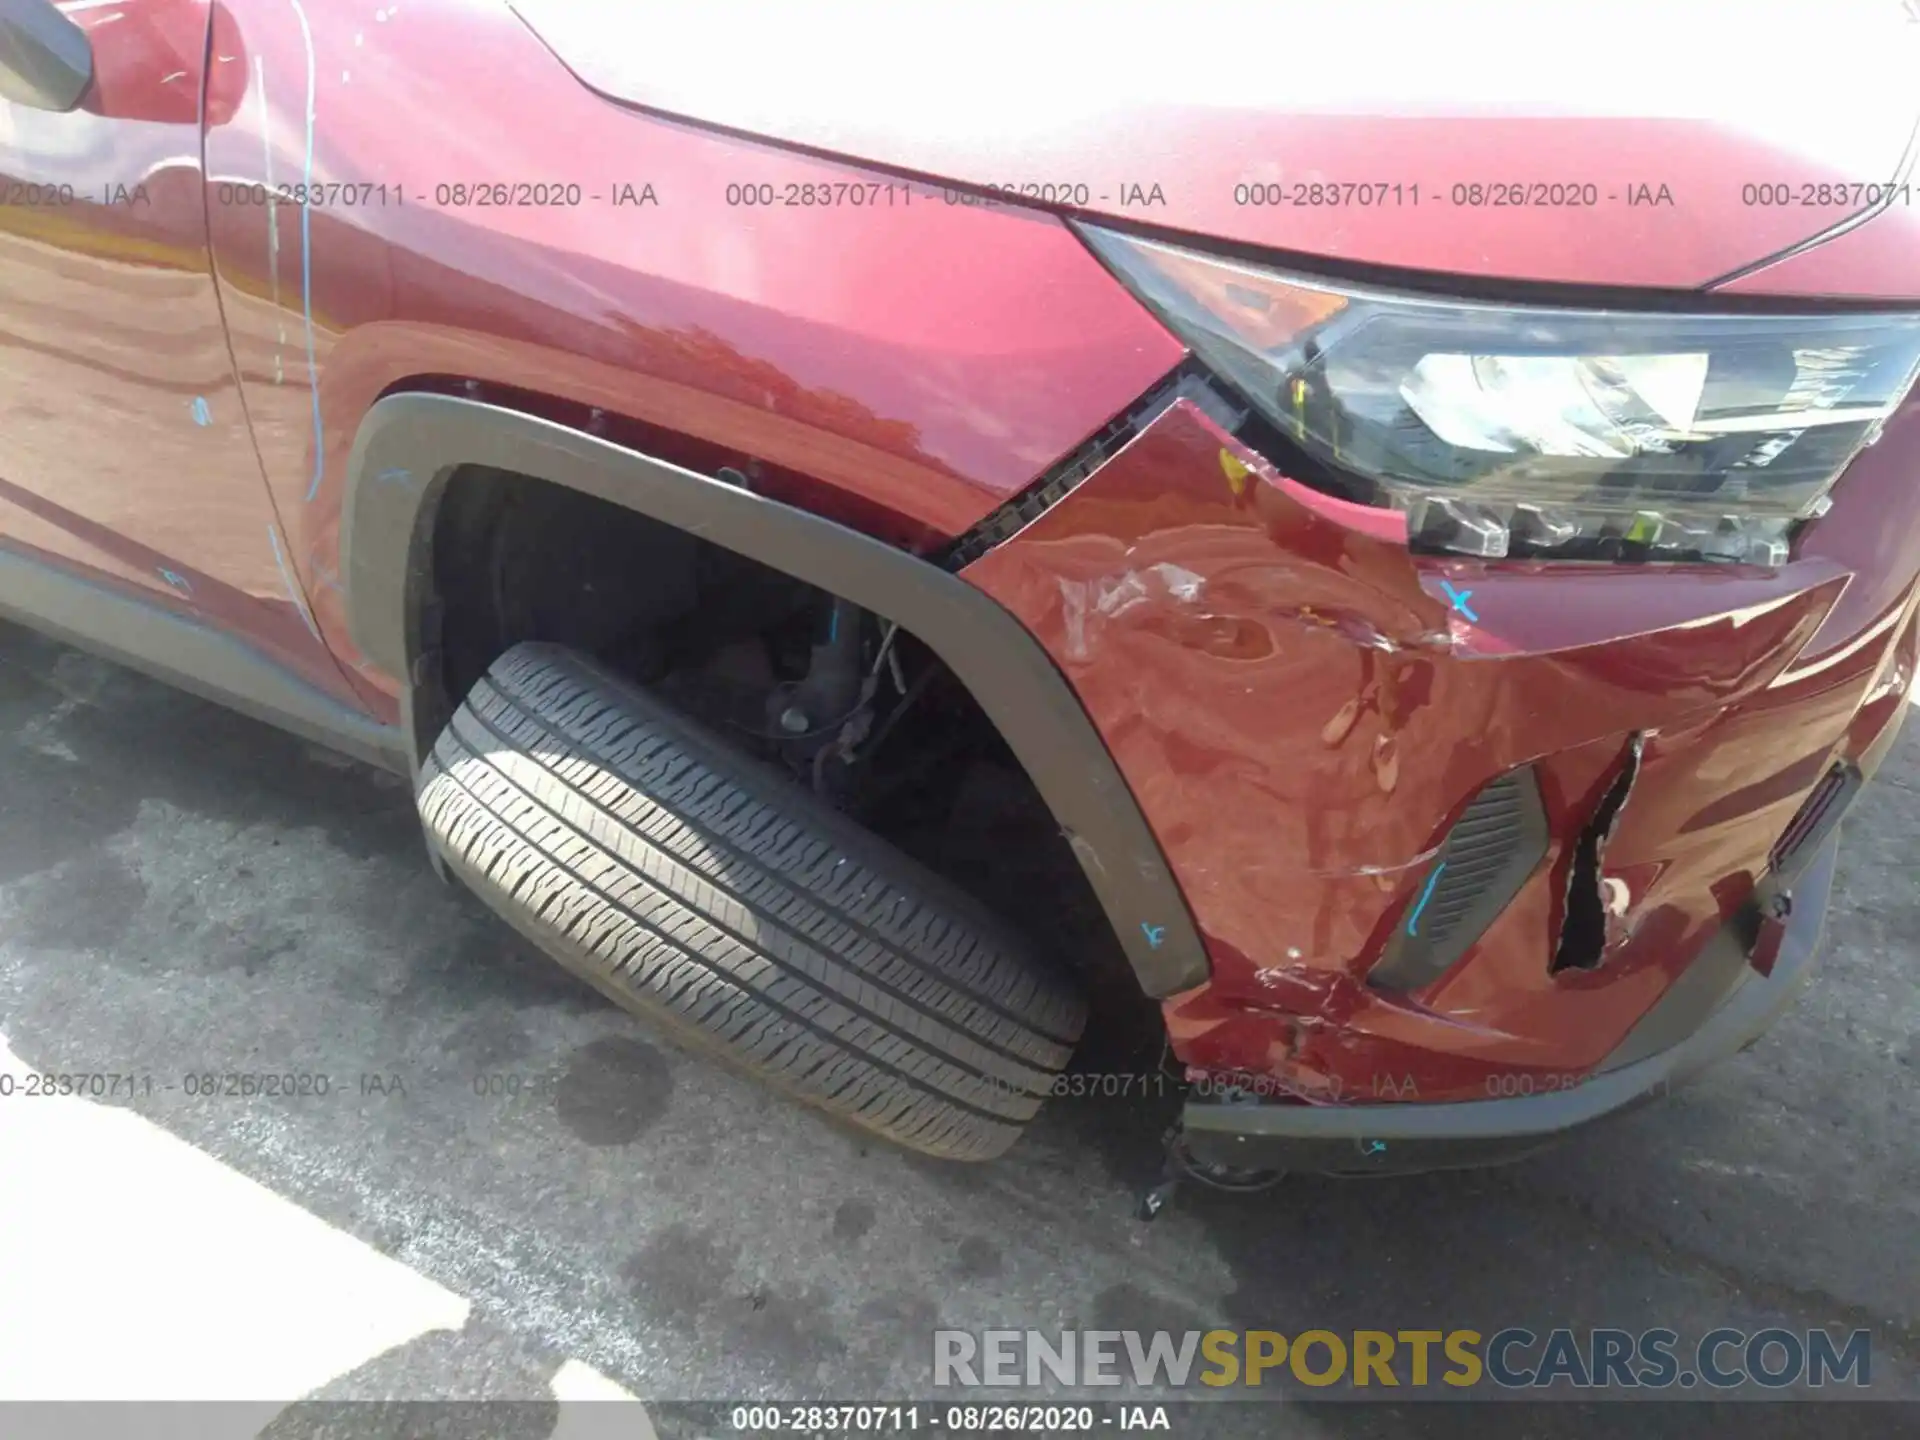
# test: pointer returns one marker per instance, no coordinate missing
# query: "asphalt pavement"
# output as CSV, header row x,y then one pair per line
x,y
473,1179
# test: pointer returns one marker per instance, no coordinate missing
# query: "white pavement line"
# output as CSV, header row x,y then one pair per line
x,y
138,1268
532,1283
592,1406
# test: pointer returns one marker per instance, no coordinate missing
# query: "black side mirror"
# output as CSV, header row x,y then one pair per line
x,y
45,60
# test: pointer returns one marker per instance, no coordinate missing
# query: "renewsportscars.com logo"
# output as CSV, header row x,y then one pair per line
x,y
1513,1358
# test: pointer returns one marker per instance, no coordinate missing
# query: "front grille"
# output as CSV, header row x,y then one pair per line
x,y
1486,857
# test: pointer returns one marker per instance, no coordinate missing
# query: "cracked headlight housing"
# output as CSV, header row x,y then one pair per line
x,y
1519,430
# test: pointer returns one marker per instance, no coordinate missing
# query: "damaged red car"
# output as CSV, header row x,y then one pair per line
x,y
1418,556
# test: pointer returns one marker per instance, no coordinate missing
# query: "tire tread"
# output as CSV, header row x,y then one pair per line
x,y
699,889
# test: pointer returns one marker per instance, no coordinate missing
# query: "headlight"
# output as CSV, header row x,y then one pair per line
x,y
1526,430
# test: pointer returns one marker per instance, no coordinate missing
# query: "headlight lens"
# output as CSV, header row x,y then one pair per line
x,y
1524,430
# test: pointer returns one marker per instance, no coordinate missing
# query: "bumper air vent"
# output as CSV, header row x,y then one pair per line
x,y
1487,856
1809,829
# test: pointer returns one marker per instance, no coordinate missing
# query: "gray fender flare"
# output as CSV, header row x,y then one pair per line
x,y
407,450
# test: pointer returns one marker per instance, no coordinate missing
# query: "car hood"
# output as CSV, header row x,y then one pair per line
x,y
1634,136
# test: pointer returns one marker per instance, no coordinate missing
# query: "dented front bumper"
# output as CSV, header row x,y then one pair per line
x,y
1305,710
1720,1007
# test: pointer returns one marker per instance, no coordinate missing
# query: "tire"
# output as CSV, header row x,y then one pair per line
x,y
698,888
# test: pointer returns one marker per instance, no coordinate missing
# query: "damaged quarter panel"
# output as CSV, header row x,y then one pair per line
x,y
1304,708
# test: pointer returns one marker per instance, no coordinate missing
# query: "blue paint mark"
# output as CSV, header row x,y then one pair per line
x,y
1372,1147
1458,599
394,477
306,263
833,624
326,578
286,578
1425,896
1154,933
177,581
202,412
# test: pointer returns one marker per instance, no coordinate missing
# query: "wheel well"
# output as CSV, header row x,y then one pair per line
x,y
414,458
724,638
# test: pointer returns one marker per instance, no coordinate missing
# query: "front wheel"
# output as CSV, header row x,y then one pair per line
x,y
699,889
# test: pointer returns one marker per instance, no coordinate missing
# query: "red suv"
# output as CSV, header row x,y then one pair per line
x,y
1434,548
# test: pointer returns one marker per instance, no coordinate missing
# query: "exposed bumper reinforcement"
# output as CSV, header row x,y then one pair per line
x,y
1718,1007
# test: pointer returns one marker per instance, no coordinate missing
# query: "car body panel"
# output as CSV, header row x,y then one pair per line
x,y
1878,259
1703,99
125,454
1304,707
917,363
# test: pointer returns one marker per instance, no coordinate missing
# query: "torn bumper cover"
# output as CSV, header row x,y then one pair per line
x,y
1718,1007
1451,831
